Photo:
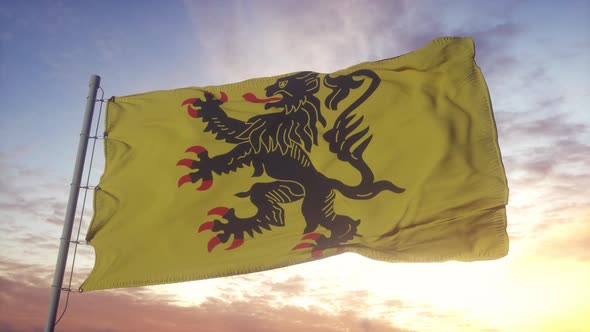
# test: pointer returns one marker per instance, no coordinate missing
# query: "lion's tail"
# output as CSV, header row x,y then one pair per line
x,y
349,145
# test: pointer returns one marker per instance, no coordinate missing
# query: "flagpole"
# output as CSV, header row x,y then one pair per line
x,y
64,246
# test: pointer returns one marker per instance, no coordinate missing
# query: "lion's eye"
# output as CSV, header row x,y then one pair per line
x,y
282,84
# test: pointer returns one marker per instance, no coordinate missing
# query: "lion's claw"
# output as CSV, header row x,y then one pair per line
x,y
213,243
206,184
311,236
235,244
194,113
223,97
197,149
302,245
225,230
197,102
184,179
318,248
185,162
203,172
189,101
219,211
317,253
206,226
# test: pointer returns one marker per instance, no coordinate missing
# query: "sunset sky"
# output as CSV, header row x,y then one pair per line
x,y
535,56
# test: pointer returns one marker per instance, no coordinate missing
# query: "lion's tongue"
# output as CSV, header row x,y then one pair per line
x,y
253,99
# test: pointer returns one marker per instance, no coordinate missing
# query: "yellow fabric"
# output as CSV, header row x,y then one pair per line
x,y
433,134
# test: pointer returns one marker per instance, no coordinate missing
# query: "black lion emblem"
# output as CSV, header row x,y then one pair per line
x,y
278,144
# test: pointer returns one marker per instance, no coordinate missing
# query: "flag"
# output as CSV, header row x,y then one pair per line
x,y
396,160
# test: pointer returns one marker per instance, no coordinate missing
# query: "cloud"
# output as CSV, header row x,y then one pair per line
x,y
30,190
273,38
544,142
32,209
571,242
262,40
293,286
25,298
495,35
514,125
550,186
541,150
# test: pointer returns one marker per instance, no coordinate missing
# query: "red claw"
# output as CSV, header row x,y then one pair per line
x,y
185,162
213,243
318,253
189,101
235,244
223,98
206,184
219,211
196,149
184,179
311,236
302,246
193,113
206,226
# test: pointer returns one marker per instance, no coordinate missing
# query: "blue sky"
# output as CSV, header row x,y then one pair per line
x,y
535,56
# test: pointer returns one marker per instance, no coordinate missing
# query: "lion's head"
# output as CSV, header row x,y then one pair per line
x,y
293,90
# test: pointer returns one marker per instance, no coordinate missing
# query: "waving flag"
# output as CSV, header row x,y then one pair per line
x,y
396,160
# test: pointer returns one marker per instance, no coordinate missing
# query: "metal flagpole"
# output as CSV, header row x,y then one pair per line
x,y
64,246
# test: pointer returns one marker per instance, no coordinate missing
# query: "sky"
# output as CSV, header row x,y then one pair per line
x,y
535,56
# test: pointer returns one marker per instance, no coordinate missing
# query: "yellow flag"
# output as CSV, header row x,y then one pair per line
x,y
396,160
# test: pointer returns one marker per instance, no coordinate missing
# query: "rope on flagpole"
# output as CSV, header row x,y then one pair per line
x,y
86,188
